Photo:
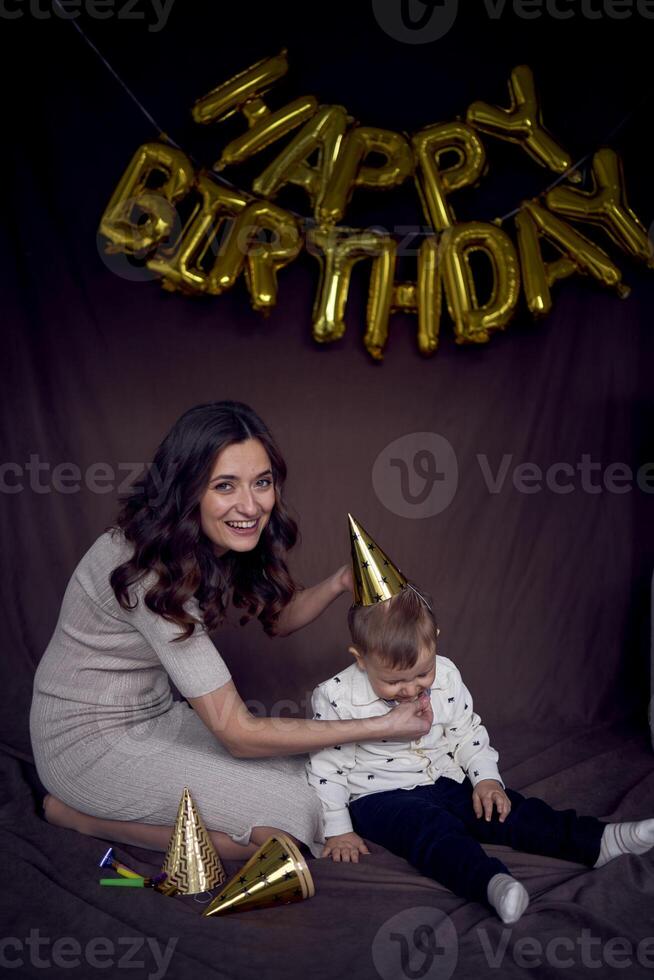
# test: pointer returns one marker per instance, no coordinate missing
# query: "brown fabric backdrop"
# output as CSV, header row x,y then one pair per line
x,y
543,597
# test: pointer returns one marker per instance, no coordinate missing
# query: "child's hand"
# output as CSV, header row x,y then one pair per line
x,y
345,847
486,793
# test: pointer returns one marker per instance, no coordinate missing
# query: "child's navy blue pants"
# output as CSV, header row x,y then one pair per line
x,y
436,829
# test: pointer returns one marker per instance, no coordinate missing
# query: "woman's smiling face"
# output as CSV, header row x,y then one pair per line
x,y
238,502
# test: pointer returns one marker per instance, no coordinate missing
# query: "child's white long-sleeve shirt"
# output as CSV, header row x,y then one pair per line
x,y
456,746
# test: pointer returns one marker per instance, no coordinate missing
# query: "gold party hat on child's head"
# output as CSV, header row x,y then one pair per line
x,y
376,578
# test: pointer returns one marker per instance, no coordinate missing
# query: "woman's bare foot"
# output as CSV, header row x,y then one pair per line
x,y
154,837
59,813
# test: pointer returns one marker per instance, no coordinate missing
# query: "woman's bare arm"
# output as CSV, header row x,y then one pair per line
x,y
247,737
307,604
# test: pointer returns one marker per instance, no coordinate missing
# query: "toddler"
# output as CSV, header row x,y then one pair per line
x,y
437,799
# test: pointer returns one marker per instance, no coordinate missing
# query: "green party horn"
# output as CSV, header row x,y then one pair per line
x,y
124,882
154,881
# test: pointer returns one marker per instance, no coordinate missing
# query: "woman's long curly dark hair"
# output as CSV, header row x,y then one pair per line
x,y
161,518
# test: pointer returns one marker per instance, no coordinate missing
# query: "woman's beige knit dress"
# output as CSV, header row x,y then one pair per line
x,y
109,739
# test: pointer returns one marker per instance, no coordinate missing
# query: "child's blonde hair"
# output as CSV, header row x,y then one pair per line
x,y
396,629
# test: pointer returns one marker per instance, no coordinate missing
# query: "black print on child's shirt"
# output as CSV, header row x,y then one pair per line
x,y
322,782
391,759
450,700
337,747
371,777
333,704
465,706
339,772
338,680
475,743
476,772
317,715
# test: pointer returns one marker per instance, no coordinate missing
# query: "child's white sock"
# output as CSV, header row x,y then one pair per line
x,y
508,897
635,837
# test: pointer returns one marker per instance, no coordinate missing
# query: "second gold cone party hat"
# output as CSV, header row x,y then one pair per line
x,y
376,578
276,874
191,863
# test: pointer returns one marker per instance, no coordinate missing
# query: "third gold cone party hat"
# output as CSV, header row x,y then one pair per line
x,y
276,874
191,863
376,578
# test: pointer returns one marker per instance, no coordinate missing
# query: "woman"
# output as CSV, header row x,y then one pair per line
x,y
207,524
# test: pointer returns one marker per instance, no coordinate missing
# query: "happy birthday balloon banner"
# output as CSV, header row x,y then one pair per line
x,y
258,238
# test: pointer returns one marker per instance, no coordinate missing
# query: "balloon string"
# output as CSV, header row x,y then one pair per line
x,y
120,81
303,218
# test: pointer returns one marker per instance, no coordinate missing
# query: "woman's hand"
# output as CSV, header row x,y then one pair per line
x,y
486,793
343,579
307,604
411,720
345,847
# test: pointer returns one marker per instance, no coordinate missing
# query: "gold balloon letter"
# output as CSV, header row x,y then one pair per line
x,y
605,205
263,258
522,123
579,255
423,298
337,252
184,266
435,183
324,132
474,322
349,171
122,222
242,93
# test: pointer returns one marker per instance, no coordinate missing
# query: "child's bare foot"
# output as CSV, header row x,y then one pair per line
x,y
635,837
508,897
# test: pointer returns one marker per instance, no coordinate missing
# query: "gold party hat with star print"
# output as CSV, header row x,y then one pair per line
x,y
276,874
376,578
